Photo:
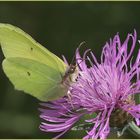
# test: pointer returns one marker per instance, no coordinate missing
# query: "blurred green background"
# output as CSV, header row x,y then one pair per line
x,y
59,26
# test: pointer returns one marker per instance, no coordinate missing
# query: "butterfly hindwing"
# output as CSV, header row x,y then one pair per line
x,y
33,77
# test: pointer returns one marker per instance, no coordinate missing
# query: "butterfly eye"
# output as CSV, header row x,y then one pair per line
x,y
72,69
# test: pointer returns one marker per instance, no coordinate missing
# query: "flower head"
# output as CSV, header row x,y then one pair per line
x,y
104,87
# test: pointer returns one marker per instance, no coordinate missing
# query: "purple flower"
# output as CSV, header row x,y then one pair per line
x,y
105,88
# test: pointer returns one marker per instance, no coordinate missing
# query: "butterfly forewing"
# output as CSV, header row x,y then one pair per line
x,y
16,43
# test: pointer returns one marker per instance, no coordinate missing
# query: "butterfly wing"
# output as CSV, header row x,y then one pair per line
x,y
33,77
29,66
17,43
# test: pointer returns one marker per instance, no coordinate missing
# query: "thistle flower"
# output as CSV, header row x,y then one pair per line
x,y
105,88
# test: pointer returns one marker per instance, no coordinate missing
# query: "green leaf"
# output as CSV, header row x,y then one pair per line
x,y
134,129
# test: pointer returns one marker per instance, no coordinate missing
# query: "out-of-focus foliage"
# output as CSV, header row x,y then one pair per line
x,y
59,26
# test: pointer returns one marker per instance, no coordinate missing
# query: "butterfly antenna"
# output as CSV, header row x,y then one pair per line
x,y
80,45
81,61
73,59
88,50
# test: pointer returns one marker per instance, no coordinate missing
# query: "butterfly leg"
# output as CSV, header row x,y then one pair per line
x,y
70,99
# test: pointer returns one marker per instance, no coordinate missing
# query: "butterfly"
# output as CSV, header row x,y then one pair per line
x,y
31,67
